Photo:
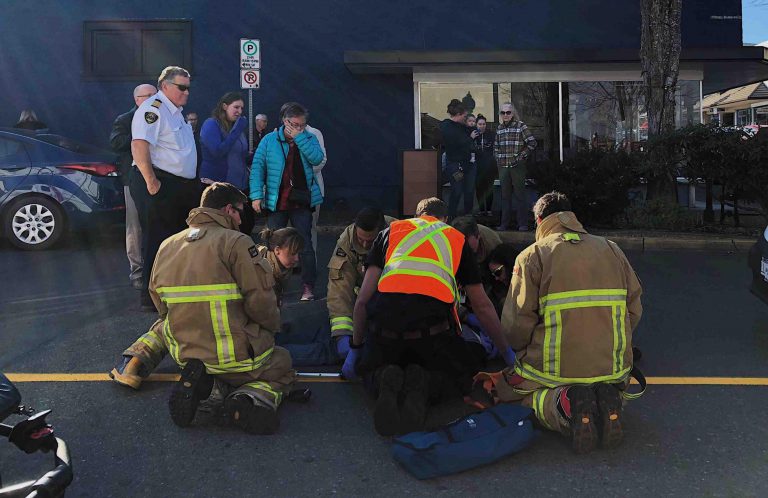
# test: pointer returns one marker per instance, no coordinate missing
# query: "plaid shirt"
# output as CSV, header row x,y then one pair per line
x,y
514,142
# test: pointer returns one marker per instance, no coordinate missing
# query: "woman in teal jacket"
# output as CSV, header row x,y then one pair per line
x,y
283,184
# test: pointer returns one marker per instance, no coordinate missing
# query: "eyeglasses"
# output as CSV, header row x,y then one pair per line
x,y
297,125
497,272
506,113
182,88
144,96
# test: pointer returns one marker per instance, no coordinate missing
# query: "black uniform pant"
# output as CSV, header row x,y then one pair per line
x,y
161,215
450,361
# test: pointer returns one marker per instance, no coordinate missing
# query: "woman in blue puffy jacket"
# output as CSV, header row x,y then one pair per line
x,y
225,149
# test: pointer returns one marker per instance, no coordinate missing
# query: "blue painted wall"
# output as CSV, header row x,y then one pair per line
x,y
366,120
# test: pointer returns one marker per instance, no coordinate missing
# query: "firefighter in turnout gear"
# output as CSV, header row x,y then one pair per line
x,y
146,353
573,304
413,352
345,272
214,292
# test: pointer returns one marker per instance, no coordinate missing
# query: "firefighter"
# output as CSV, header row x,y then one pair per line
x,y
345,272
410,296
142,357
572,306
215,294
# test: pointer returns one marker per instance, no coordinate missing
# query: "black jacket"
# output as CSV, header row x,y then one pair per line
x,y
120,141
458,143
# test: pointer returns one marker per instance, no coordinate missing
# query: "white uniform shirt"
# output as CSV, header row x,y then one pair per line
x,y
319,168
170,137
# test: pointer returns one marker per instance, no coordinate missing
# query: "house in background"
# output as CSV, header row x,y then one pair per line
x,y
742,106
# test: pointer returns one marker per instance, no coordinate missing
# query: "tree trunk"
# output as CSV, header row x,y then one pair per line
x,y
660,60
709,210
736,208
722,204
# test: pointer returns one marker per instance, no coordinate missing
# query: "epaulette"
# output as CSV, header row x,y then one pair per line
x,y
156,104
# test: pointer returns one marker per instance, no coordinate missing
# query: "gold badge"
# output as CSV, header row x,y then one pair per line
x,y
150,117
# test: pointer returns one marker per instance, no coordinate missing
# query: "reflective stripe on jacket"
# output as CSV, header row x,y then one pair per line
x,y
422,258
214,289
572,306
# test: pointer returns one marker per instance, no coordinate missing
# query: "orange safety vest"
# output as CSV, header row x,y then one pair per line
x,y
422,258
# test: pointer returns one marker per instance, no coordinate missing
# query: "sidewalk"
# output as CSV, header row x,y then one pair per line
x,y
629,240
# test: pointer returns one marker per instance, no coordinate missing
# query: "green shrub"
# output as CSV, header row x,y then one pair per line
x,y
596,182
661,214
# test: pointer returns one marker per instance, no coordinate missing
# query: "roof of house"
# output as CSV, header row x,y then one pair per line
x,y
755,91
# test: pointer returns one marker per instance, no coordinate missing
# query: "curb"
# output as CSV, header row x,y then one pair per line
x,y
627,243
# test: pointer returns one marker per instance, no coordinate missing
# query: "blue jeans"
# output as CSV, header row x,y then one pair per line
x,y
464,187
301,220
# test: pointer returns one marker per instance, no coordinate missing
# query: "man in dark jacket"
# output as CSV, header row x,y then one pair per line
x,y
120,141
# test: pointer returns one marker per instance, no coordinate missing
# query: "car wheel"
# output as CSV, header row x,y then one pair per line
x,y
33,223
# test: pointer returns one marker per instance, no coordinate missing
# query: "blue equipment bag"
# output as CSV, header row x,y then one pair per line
x,y
471,441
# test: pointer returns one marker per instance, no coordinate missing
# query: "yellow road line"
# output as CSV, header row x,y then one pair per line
x,y
102,377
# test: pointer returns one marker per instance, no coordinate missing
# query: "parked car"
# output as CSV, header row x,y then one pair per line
x,y
49,183
758,263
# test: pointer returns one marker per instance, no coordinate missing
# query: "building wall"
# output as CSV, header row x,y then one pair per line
x,y
366,119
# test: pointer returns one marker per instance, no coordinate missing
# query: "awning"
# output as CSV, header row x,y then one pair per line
x,y
723,68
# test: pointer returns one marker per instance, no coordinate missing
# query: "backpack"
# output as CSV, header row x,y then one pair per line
x,y
469,442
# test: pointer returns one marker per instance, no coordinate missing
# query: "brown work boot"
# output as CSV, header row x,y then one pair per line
x,y
413,412
386,414
194,385
251,414
129,372
584,435
609,406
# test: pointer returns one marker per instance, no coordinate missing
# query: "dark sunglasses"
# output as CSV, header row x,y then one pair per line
x,y
182,88
506,113
497,272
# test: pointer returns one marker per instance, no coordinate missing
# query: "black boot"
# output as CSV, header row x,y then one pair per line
x,y
251,415
584,435
609,406
416,394
386,414
195,385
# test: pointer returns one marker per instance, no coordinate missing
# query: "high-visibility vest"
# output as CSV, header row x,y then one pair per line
x,y
422,258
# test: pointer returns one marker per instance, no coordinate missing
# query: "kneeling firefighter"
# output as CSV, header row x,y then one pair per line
x,y
413,352
214,291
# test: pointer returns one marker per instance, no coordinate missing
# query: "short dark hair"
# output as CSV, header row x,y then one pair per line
x,y
456,107
467,225
218,194
369,219
550,203
293,110
432,206
504,254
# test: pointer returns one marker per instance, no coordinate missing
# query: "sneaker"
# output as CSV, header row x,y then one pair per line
x,y
308,293
609,406
137,284
584,435
251,415
194,385
502,228
416,395
129,372
522,228
386,414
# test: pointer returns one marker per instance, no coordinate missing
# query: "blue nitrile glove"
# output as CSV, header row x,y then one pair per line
x,y
342,345
348,370
509,356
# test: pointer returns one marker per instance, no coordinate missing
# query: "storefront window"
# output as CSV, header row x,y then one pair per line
x,y
535,102
603,115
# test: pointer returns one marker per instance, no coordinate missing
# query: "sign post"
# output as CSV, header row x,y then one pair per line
x,y
250,77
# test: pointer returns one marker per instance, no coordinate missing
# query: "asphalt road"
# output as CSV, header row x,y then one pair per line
x,y
71,310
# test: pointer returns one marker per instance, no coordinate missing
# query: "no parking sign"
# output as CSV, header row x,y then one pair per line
x,y
249,78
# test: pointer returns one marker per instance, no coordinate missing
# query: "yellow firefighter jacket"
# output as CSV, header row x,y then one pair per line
x,y
345,275
214,291
572,306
